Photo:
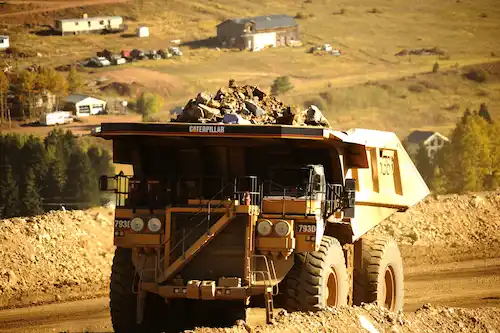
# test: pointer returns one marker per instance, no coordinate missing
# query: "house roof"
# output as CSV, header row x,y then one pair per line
x,y
75,98
422,136
97,18
4,37
268,21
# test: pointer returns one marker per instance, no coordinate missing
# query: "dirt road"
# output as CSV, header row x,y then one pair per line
x,y
473,283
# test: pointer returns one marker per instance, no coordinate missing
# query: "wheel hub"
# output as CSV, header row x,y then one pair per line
x,y
389,292
331,289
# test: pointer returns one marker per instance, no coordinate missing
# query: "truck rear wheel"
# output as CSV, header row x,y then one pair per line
x,y
318,279
123,301
381,279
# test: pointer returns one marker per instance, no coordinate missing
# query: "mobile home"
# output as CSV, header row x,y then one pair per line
x,y
77,26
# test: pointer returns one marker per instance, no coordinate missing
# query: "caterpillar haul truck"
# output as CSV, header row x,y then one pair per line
x,y
217,215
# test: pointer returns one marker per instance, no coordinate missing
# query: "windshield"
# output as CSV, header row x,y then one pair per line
x,y
292,181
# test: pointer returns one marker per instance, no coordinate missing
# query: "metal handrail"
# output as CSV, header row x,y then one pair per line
x,y
196,214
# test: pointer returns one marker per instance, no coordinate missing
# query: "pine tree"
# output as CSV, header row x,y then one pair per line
x,y
34,156
82,184
281,85
55,180
483,112
101,161
9,194
32,202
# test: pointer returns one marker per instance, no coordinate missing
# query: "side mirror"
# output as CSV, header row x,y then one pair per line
x,y
104,185
349,197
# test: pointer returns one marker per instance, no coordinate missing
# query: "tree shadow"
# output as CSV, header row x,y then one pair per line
x,y
32,124
210,43
46,30
129,35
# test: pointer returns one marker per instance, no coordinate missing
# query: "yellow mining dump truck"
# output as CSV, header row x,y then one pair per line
x,y
217,215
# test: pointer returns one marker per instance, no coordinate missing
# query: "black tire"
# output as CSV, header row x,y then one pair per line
x,y
310,282
380,279
123,301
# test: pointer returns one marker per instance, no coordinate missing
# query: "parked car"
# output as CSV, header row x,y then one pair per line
x,y
99,62
152,54
119,61
175,51
137,54
165,54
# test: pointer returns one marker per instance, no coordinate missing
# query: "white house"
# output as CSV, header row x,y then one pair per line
x,y
83,105
433,141
4,42
86,24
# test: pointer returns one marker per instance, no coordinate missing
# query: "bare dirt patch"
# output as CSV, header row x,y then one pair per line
x,y
22,9
166,84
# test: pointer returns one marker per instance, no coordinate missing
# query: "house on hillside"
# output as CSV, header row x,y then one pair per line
x,y
433,141
76,26
4,43
83,105
255,33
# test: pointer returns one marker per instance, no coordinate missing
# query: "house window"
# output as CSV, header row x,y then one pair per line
x,y
1,41
439,141
76,23
90,24
101,22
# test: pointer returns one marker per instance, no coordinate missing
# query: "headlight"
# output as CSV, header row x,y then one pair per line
x,y
154,224
282,228
137,224
264,227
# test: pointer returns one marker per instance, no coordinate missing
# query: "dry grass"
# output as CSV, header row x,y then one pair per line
x,y
368,41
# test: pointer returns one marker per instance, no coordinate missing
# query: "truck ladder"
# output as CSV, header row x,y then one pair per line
x,y
268,275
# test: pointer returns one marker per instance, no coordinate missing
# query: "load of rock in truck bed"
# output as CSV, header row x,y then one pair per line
x,y
247,105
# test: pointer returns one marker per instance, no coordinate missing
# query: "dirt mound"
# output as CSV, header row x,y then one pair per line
x,y
373,320
122,89
45,257
467,225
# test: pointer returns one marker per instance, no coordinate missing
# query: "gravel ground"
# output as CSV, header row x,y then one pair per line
x,y
368,318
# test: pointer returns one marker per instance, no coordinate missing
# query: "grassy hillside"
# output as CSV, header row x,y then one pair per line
x,y
364,87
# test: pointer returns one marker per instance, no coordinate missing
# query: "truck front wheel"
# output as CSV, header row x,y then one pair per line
x,y
318,279
380,280
123,300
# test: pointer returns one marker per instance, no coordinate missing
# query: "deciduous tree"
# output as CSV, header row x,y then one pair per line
x,y
4,89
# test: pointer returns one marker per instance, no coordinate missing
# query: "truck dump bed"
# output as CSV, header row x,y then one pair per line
x,y
386,178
